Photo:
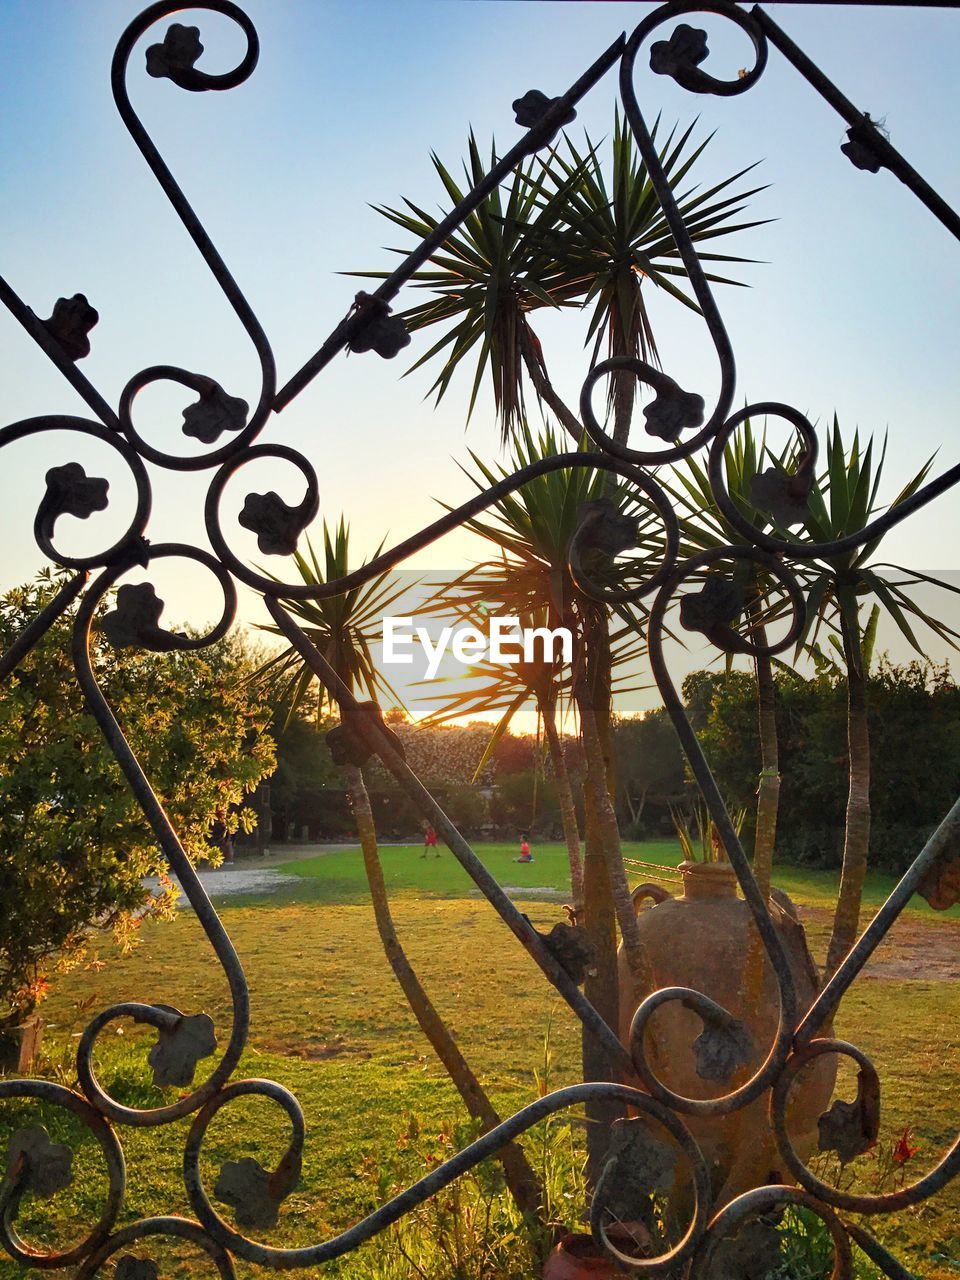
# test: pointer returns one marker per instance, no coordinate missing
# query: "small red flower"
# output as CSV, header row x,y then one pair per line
x,y
903,1151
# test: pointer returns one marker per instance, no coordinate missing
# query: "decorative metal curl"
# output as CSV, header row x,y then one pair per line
x,y
10,1189
161,1017
169,1227
191,78
780,1050
276,589
47,513
764,1200
933,1181
457,1165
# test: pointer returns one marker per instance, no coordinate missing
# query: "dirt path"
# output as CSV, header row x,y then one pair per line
x,y
912,950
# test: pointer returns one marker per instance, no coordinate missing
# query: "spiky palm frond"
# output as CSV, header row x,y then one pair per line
x,y
528,578
343,628
562,234
485,276
844,499
615,234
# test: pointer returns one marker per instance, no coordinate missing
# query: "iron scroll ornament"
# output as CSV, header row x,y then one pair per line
x,y
680,420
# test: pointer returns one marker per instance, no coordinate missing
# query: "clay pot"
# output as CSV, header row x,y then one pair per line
x,y
576,1257
702,940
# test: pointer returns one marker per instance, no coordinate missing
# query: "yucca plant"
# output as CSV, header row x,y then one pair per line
x,y
529,579
615,237
561,235
844,498
698,834
532,531
564,234
343,628
703,526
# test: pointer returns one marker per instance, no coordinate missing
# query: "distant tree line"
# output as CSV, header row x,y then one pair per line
x,y
914,717
915,737
515,791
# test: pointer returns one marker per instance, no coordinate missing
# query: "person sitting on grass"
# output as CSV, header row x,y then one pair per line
x,y
525,854
430,842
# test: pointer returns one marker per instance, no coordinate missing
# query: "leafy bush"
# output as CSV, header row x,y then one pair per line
x,y
74,843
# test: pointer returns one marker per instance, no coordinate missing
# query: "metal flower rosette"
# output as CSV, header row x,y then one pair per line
x,y
685,425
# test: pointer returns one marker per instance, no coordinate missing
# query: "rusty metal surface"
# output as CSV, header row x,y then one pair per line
x,y
714,1243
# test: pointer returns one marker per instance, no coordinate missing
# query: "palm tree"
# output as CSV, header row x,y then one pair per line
x,y
343,628
842,501
614,237
532,531
566,238
703,526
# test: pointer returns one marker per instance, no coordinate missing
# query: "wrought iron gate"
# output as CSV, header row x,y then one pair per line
x,y
674,415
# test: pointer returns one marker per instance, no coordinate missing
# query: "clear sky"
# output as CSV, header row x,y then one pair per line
x,y
854,307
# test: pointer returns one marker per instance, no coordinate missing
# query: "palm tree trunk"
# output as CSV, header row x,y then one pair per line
x,y
600,987
610,837
600,921
768,794
568,811
606,891
768,803
520,1178
856,843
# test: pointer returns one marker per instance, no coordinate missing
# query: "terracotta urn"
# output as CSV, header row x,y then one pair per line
x,y
576,1257
705,940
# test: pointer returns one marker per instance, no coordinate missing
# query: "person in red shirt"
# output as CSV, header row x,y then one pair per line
x,y
430,842
525,854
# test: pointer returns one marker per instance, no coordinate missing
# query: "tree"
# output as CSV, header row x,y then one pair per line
x,y
305,768
843,500
704,526
343,627
530,578
914,728
74,845
569,236
649,765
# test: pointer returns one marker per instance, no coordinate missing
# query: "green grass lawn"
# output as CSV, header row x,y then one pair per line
x,y
339,876
329,1022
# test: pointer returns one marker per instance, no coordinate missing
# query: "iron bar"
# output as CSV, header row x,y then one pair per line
x,y
34,631
946,837
56,355
860,120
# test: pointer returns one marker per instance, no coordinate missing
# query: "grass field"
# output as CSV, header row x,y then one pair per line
x,y
329,1022
338,876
